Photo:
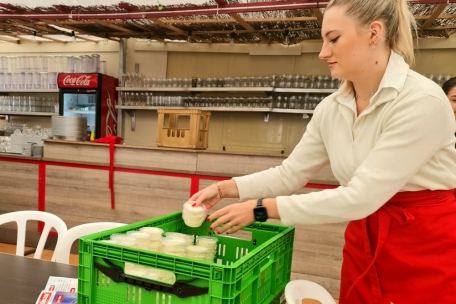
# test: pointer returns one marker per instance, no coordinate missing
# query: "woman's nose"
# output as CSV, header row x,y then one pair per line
x,y
324,53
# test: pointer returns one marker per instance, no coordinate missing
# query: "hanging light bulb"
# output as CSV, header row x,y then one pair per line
x,y
73,36
286,34
105,40
189,36
33,37
232,36
149,39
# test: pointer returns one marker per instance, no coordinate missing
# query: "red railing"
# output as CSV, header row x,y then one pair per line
x,y
194,178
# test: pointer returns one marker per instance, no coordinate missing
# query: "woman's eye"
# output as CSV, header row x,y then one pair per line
x,y
335,39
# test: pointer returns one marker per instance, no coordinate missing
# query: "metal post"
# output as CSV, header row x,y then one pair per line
x,y
123,43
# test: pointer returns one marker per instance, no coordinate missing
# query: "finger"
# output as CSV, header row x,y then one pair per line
x,y
234,229
219,221
225,226
201,197
214,216
195,196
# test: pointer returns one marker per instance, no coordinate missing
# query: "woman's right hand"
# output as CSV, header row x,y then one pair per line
x,y
209,197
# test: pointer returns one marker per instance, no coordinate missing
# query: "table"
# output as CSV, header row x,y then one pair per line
x,y
22,279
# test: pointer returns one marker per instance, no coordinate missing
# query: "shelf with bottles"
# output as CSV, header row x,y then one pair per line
x,y
28,113
299,103
28,105
185,89
212,109
283,83
29,90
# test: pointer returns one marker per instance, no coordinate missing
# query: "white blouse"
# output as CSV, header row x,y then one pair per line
x,y
403,141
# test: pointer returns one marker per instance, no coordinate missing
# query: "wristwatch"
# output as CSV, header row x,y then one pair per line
x,y
260,212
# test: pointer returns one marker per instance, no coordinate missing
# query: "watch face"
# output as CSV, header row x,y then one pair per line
x,y
260,214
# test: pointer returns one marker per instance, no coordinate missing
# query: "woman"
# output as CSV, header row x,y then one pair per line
x,y
449,87
388,134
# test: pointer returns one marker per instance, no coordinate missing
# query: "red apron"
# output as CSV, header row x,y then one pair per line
x,y
403,253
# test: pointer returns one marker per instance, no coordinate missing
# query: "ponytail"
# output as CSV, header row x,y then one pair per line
x,y
394,14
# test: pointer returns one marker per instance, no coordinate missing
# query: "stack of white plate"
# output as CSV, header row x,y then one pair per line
x,y
37,151
69,127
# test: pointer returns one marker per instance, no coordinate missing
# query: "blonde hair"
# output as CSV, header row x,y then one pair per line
x,y
394,14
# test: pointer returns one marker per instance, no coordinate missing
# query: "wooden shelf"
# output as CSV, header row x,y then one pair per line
x,y
216,89
199,89
221,109
30,91
28,113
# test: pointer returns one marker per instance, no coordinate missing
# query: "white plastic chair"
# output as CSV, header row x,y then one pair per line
x,y
297,290
21,217
62,251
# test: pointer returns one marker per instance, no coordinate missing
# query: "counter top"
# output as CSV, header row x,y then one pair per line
x,y
18,156
170,160
164,148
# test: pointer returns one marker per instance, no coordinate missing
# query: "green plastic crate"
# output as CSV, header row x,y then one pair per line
x,y
251,271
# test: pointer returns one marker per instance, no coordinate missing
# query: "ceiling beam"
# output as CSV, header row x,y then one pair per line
x,y
225,32
51,38
230,20
10,40
175,29
319,16
113,26
446,27
75,29
249,28
438,10
34,26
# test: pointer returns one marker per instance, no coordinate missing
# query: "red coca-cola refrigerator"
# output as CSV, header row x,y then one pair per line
x,y
90,95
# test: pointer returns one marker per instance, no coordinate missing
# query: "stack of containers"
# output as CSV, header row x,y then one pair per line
x,y
193,216
142,239
155,238
124,239
197,252
174,243
210,243
150,273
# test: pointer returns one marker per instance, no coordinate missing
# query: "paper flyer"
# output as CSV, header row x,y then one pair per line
x,y
59,290
62,284
57,297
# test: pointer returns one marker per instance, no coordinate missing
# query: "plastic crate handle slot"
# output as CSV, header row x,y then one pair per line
x,y
181,290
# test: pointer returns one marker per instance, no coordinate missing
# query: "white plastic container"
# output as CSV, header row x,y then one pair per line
x,y
142,239
124,239
193,216
155,233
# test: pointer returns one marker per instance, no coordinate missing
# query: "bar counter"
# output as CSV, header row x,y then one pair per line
x,y
202,162
73,180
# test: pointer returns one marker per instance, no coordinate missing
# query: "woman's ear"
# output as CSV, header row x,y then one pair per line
x,y
377,30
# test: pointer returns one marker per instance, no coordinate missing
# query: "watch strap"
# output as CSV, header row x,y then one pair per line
x,y
260,202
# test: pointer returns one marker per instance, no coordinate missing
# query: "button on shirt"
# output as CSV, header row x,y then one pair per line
x,y
402,141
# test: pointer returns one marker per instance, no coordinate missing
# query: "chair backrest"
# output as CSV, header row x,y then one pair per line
x,y
62,251
297,290
21,217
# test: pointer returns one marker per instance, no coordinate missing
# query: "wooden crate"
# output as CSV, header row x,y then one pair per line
x,y
183,128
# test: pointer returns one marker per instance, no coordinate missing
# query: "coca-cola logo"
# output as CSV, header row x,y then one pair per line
x,y
83,80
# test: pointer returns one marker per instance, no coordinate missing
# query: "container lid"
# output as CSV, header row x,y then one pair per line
x,y
178,235
196,249
139,234
152,230
206,240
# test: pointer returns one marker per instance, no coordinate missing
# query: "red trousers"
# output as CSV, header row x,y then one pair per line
x,y
404,253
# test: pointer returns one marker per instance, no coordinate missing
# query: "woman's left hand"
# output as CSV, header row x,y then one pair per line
x,y
234,217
